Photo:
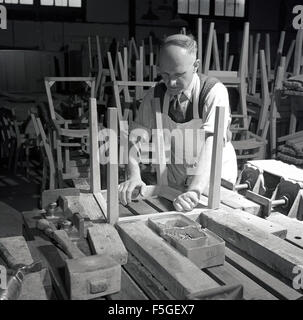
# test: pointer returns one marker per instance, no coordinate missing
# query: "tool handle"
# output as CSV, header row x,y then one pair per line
x,y
70,248
7,257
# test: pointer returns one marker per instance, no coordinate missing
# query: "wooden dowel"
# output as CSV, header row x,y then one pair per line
x,y
200,35
216,161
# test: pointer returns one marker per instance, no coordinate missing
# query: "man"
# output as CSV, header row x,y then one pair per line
x,y
188,101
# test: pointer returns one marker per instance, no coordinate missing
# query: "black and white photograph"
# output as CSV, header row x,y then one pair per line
x,y
151,153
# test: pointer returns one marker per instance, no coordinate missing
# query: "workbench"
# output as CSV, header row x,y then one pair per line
x,y
139,281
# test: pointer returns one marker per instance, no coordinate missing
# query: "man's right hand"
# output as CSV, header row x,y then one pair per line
x,y
127,188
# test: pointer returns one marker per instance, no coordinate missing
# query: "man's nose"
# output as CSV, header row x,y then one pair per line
x,y
172,82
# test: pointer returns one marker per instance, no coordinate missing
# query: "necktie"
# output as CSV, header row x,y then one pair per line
x,y
176,109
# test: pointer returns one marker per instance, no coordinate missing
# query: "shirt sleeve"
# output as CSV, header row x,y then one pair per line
x,y
218,96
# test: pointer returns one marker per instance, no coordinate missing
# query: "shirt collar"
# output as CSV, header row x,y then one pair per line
x,y
189,91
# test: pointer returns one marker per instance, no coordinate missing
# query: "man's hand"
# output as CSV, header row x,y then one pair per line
x,y
186,201
127,188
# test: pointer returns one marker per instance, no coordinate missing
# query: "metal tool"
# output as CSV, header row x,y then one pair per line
x,y
17,272
250,179
282,200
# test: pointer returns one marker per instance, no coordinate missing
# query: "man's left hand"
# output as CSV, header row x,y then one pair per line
x,y
186,201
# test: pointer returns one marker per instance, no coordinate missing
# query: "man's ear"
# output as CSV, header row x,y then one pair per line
x,y
197,65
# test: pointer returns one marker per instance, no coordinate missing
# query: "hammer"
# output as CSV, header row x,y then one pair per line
x,y
87,277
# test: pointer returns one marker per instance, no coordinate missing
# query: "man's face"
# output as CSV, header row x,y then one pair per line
x,y
177,68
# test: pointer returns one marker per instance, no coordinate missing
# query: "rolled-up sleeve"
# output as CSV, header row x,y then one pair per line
x,y
218,96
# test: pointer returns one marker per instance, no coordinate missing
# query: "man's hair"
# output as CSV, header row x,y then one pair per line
x,y
184,41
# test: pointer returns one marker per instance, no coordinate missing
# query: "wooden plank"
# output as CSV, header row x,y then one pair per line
x,y
179,275
139,207
32,288
229,275
216,52
262,277
147,282
124,212
216,163
207,57
112,169
104,239
95,177
294,227
161,204
274,252
129,289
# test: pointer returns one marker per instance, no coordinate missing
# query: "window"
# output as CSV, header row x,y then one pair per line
x,y
58,3
46,10
214,8
17,1
62,3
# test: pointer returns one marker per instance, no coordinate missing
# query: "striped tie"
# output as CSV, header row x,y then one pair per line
x,y
176,109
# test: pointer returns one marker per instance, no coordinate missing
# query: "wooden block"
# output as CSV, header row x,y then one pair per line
x,y
104,239
265,247
32,288
293,226
50,196
92,277
91,207
174,271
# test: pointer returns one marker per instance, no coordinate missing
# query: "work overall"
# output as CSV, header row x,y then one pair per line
x,y
184,156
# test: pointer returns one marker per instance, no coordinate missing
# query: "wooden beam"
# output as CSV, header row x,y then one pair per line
x,y
267,248
177,273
